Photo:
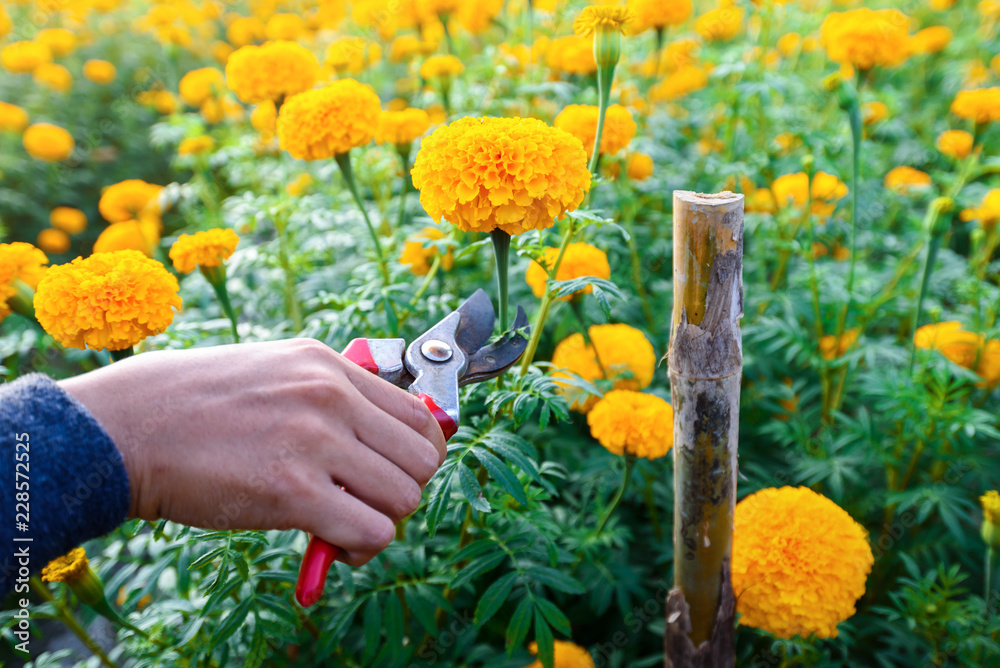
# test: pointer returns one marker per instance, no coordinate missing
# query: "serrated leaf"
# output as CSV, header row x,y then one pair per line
x,y
520,622
494,597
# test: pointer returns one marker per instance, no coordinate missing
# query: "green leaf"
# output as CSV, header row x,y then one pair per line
x,y
546,644
232,622
472,490
393,623
520,622
554,616
423,607
502,474
557,580
438,504
206,558
340,620
258,651
476,568
494,597
373,629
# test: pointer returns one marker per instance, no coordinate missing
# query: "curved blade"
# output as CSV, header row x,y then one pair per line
x,y
494,359
476,325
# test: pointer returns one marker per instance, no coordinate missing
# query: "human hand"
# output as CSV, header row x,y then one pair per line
x,y
262,436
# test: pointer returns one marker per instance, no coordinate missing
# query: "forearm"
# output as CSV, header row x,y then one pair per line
x,y
77,487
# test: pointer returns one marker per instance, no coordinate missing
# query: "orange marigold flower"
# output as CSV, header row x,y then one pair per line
x,y
264,118
272,71
418,252
24,57
299,184
515,174
866,37
874,112
108,300
990,529
980,105
352,54
99,71
580,259
48,142
571,55
931,40
623,353
130,199
6,24
218,109
203,249
53,76
955,143
52,240
598,18
958,345
567,655
196,145
988,211
12,118
789,43
799,562
284,26
18,261
639,167
68,219
904,180
830,347
402,128
138,235
67,568
659,14
244,30
59,40
793,190
680,82
719,24
200,85
325,122
627,421
441,66
580,120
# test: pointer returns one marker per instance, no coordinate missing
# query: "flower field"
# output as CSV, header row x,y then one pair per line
x,y
182,174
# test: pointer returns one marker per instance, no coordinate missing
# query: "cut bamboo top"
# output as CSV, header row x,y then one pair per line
x,y
708,284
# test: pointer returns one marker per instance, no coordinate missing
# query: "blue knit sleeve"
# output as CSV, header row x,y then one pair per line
x,y
77,487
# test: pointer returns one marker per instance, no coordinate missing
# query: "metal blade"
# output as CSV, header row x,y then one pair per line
x,y
476,326
494,359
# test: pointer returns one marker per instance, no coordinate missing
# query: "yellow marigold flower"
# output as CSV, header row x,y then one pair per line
x,y
12,118
991,518
284,26
406,47
322,123
981,105
958,345
402,128
218,109
789,43
418,253
52,240
988,211
67,568
799,563
477,17
955,143
988,366
6,24
580,259
639,167
931,40
597,18
245,30
162,100
942,5
68,219
20,261
59,40
130,199
567,655
24,57
264,118
580,120
624,353
874,112
682,81
201,84
634,422
571,55
196,145
515,174
108,300
203,249
99,71
761,200
48,142
719,24
440,67
866,37
299,184
352,54
138,235
221,51
53,76
904,180
272,71
793,190
659,14
830,347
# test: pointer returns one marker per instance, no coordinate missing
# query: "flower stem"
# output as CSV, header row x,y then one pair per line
x,y
501,253
404,191
629,462
605,75
67,618
543,312
344,161
988,575
119,355
932,251
291,300
435,265
223,294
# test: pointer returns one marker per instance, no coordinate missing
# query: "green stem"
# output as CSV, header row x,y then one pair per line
x,y
932,250
989,575
291,300
435,265
605,76
119,355
404,191
543,312
344,162
629,462
223,295
501,253
67,618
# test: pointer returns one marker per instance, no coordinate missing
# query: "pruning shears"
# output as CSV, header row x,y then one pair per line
x,y
451,354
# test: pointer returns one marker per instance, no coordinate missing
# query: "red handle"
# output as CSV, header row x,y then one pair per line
x,y
320,555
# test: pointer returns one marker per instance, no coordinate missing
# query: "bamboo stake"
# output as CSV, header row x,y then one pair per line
x,y
706,363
